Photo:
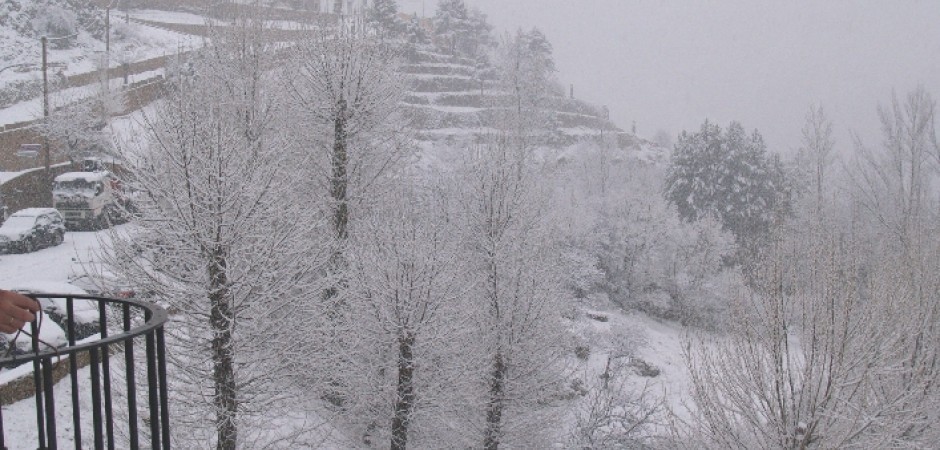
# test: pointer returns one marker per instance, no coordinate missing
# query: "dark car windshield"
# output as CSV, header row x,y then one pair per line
x,y
77,185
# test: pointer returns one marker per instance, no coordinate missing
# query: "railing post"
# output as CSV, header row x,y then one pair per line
x,y
106,373
51,440
96,397
38,386
164,401
47,358
152,385
131,382
73,370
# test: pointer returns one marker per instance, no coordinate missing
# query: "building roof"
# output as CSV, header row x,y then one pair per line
x,y
87,176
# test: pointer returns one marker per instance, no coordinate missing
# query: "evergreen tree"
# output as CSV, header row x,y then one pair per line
x,y
460,30
728,175
382,16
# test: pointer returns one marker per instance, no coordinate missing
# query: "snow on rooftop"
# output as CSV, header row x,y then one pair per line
x,y
87,176
175,17
7,176
32,211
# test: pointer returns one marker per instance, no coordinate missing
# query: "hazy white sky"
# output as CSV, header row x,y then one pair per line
x,y
669,64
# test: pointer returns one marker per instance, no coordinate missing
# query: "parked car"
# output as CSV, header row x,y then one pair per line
x,y
31,229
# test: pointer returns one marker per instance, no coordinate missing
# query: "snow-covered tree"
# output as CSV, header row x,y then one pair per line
x,y
406,299
382,16
650,258
60,19
345,89
78,124
729,176
459,29
57,22
896,183
78,127
845,357
614,414
524,70
517,312
219,239
817,153
414,33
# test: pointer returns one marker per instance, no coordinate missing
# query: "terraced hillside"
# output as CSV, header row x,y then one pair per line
x,y
449,101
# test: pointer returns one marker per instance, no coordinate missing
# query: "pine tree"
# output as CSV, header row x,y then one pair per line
x,y
460,30
382,15
728,175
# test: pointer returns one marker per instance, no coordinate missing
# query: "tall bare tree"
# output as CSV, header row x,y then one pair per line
x,y
345,90
518,292
406,294
817,150
894,182
218,239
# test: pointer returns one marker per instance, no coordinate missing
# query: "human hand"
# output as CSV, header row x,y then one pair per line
x,y
15,311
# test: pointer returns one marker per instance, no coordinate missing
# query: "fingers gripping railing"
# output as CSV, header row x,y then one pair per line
x,y
105,326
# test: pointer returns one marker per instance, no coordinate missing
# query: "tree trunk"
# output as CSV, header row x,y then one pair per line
x,y
406,394
223,359
340,182
494,410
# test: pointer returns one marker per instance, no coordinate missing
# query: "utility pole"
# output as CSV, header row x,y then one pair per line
x,y
107,51
107,27
45,100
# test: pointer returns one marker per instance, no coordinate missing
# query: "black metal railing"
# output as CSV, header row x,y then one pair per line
x,y
119,327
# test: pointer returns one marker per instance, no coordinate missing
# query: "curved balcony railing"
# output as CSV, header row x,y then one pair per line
x,y
96,331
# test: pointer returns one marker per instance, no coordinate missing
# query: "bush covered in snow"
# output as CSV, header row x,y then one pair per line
x,y
633,246
58,23
52,18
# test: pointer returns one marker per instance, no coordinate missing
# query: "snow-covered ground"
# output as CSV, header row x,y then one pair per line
x,y
54,263
657,343
137,42
32,109
155,15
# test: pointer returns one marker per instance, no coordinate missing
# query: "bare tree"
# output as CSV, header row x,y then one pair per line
x,y
615,414
515,262
837,359
406,297
345,90
78,123
218,239
894,181
817,149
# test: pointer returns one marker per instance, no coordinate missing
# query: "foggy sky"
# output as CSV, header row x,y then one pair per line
x,y
669,64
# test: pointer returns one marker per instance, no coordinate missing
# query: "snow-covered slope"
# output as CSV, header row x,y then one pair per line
x,y
24,22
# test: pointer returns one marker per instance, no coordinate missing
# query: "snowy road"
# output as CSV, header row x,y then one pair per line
x,y
51,264
54,264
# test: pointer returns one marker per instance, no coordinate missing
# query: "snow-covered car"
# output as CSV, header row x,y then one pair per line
x,y
31,229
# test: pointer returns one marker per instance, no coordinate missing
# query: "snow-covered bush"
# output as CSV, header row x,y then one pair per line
x,y
649,258
57,22
654,261
122,31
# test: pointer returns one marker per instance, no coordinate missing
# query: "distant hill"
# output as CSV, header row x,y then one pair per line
x,y
448,102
